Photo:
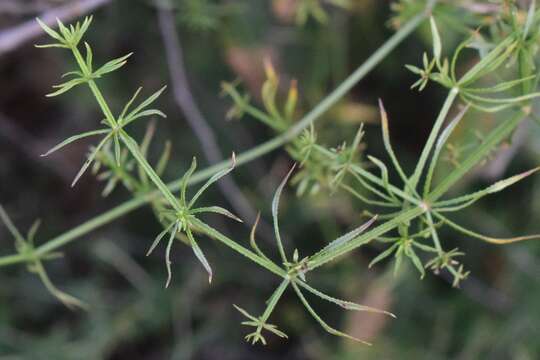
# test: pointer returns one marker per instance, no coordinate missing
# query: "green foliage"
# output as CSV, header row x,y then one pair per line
x,y
405,216
343,168
34,262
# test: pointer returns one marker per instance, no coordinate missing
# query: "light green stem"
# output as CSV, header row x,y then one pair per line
x,y
93,87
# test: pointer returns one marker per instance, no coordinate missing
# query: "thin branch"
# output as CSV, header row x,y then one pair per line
x,y
14,37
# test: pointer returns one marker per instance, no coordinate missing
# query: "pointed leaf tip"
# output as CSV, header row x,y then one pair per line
x,y
437,46
502,184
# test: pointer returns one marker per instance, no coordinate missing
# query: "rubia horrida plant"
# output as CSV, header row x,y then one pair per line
x,y
415,210
124,161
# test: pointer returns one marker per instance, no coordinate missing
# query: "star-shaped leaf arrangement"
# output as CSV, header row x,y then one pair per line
x,y
185,221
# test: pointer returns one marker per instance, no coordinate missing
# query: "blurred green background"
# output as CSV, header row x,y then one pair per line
x,y
494,315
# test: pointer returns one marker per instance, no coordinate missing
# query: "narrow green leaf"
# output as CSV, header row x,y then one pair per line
x,y
50,31
503,184
185,180
414,69
81,30
168,261
252,239
500,185
89,56
47,46
384,174
489,239
70,301
199,254
383,255
437,46
496,136
110,186
530,19
503,86
11,227
128,104
117,150
164,158
324,325
75,138
146,103
216,210
212,180
74,73
112,65
33,231
387,143
62,88
145,113
66,33
342,303
275,214
349,236
496,56
159,237
433,137
365,199
441,141
416,261
89,160
503,101
246,314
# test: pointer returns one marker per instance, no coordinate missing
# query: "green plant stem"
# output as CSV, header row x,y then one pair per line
x,y
262,261
241,159
133,147
272,302
93,87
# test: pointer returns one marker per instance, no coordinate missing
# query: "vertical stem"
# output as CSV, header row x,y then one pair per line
x,y
133,147
272,302
95,90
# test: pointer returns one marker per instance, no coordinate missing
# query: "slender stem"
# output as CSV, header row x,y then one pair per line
x,y
264,262
272,302
434,233
133,147
95,90
241,159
